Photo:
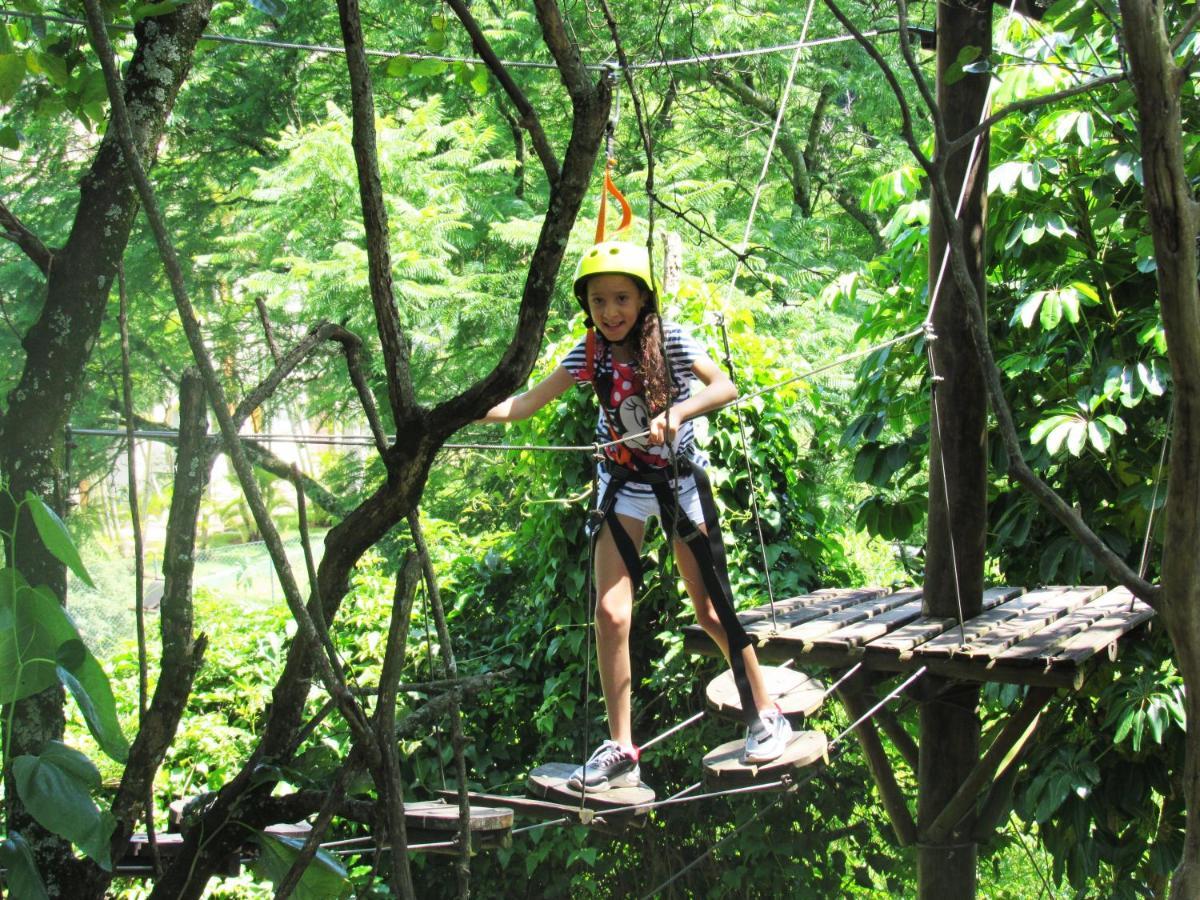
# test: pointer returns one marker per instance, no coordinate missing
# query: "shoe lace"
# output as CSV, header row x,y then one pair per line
x,y
606,754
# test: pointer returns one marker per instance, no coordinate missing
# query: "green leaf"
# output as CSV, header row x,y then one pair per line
x,y
435,41
90,687
1085,128
23,878
324,879
55,787
33,625
12,73
1052,310
276,9
425,68
9,139
480,81
1153,376
54,535
398,67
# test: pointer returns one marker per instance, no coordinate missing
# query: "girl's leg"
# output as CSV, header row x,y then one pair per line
x,y
706,616
614,611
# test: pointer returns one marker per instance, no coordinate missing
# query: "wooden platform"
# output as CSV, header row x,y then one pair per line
x,y
550,783
723,766
797,694
1048,636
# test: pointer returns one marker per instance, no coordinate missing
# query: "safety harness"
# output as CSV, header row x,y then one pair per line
x,y
708,549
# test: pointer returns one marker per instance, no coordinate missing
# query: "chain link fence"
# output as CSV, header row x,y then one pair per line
x,y
241,572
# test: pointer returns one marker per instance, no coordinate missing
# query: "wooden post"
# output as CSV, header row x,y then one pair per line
x,y
949,726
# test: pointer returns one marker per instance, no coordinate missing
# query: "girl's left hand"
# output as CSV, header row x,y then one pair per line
x,y
663,428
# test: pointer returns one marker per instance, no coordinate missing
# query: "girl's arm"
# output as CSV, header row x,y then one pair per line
x,y
522,406
718,390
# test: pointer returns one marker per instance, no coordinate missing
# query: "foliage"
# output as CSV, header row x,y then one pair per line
x,y
39,648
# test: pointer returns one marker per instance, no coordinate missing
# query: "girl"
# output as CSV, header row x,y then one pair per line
x,y
641,478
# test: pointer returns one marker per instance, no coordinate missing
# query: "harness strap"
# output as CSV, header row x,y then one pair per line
x,y
709,551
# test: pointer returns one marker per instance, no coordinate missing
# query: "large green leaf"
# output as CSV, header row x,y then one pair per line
x,y
33,626
12,73
55,786
324,879
55,536
89,686
23,878
39,645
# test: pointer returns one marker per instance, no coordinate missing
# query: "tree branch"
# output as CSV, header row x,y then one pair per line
x,y
379,266
967,137
527,116
16,231
745,94
960,271
317,336
327,663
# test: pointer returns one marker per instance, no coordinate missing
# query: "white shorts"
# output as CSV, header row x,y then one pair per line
x,y
638,501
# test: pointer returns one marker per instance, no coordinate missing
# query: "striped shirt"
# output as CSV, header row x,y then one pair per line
x,y
629,413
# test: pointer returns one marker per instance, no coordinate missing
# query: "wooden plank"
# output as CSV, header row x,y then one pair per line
x,y
1037,648
798,610
1029,623
809,631
526,806
902,641
1102,635
855,634
723,766
957,640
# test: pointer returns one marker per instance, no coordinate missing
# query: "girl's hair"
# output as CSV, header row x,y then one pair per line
x,y
647,339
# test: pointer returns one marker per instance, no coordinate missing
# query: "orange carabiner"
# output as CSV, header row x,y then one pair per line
x,y
626,210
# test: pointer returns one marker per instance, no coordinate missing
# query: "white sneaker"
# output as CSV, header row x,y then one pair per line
x,y
769,739
611,766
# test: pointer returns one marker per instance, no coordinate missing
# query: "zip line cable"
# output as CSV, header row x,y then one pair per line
x,y
419,56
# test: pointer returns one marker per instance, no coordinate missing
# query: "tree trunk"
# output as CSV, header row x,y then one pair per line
x,y
57,347
1174,221
949,744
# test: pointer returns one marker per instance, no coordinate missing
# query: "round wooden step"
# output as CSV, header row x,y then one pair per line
x,y
797,694
438,815
550,783
723,766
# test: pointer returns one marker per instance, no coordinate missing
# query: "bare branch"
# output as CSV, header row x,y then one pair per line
x,y
317,336
527,116
327,663
565,52
1018,106
352,349
906,120
798,160
375,222
1186,29
16,231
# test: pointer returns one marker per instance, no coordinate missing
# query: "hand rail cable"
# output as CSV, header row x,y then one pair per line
x,y
367,441
418,55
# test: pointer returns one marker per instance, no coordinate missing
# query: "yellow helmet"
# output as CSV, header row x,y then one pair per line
x,y
613,258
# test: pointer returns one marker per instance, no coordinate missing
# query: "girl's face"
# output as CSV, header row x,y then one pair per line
x,y
615,301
